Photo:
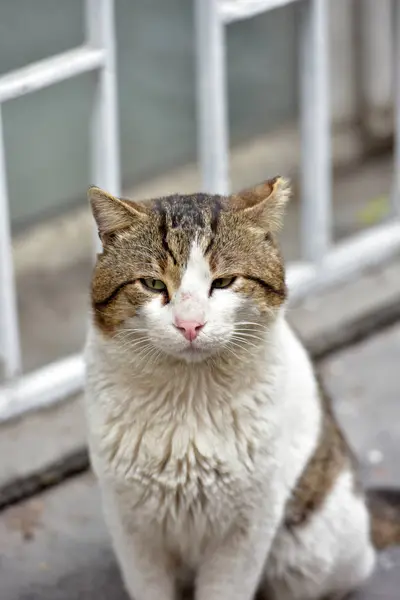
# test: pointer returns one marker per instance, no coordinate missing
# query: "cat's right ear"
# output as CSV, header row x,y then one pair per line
x,y
113,214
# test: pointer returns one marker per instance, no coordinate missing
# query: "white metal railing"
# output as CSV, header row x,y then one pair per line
x,y
65,377
212,16
323,263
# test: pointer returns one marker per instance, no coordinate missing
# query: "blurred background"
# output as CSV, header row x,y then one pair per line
x,y
47,133
351,330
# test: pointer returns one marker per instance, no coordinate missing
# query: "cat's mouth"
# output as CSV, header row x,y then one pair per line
x,y
193,352
192,349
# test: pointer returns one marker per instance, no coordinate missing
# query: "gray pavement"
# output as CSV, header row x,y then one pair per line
x,y
55,546
364,382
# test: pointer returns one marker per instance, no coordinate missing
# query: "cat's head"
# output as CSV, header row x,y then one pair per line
x,y
189,276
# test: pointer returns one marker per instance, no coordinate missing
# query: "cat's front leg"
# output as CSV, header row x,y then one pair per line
x,y
145,565
146,570
232,570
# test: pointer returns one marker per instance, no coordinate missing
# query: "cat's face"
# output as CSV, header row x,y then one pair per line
x,y
188,276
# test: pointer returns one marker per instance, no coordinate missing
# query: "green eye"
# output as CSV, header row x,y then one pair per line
x,y
223,282
154,284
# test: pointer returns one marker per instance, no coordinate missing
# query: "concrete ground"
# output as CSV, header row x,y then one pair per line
x,y
55,546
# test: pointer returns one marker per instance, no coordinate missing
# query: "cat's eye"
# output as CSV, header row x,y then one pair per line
x,y
156,285
223,282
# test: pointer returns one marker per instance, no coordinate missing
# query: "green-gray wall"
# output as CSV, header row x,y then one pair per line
x,y
46,134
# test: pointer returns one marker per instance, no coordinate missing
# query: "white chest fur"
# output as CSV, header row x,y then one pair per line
x,y
188,451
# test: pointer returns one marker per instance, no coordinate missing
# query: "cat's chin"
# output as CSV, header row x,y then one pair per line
x,y
189,354
193,354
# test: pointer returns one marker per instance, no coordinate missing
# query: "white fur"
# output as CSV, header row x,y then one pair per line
x,y
331,556
222,311
197,451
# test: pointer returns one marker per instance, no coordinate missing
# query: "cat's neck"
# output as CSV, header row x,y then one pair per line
x,y
231,371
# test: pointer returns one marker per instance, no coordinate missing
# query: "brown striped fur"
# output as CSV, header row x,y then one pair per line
x,y
153,240
330,457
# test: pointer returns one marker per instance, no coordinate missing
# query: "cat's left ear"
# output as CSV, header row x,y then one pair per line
x,y
113,214
265,203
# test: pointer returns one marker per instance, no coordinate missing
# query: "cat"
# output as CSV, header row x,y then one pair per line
x,y
220,463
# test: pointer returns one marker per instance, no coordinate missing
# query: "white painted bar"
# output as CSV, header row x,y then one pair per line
x,y
49,71
105,130
237,10
212,106
105,145
367,249
64,378
42,388
10,354
375,77
395,194
316,221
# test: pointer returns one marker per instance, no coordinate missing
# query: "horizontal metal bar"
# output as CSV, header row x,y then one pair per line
x,y
237,10
59,380
42,388
367,249
50,71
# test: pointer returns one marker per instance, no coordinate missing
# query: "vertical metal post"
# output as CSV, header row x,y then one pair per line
x,y
316,219
105,148
212,117
395,195
10,353
375,58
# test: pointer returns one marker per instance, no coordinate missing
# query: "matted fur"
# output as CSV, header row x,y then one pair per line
x,y
220,467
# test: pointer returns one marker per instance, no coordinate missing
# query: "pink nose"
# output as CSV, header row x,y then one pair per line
x,y
190,329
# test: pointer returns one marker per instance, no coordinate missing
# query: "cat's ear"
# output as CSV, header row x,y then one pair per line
x,y
113,214
265,203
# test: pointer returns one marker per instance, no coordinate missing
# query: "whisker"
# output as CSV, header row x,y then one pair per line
x,y
260,325
245,351
242,346
133,343
245,334
251,329
243,343
130,332
142,354
228,349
